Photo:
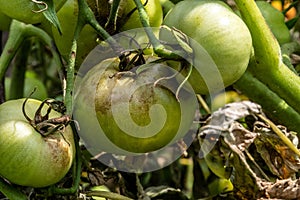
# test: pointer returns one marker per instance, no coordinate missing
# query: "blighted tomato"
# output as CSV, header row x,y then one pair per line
x,y
27,157
132,111
220,40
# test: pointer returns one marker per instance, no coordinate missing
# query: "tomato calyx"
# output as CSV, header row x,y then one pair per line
x,y
127,61
42,123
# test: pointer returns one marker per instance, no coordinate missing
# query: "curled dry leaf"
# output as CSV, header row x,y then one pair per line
x,y
258,156
280,159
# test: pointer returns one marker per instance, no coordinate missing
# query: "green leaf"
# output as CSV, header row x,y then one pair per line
x,y
47,7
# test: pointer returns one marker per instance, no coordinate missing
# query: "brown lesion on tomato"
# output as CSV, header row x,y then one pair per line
x,y
60,151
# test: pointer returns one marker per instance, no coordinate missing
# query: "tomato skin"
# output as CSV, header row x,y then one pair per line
x,y
222,34
27,158
22,10
276,22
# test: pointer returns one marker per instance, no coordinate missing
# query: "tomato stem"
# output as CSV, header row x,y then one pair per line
x,y
269,68
275,107
87,16
280,134
266,47
159,49
18,72
112,18
17,34
11,192
15,39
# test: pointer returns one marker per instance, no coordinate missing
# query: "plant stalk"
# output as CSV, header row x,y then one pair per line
x,y
17,34
158,48
274,107
10,191
18,72
269,68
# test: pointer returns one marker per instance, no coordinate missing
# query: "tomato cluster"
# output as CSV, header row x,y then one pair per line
x,y
140,97
217,25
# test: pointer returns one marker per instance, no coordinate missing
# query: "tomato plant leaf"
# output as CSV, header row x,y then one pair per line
x,y
48,9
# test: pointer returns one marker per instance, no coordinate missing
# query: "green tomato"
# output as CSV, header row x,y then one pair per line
x,y
4,22
23,10
27,157
222,42
275,20
31,82
153,9
87,41
68,16
122,113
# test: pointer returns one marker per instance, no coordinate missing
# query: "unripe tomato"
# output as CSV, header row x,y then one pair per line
x,y
68,17
128,113
153,9
27,157
23,10
224,39
275,20
86,42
